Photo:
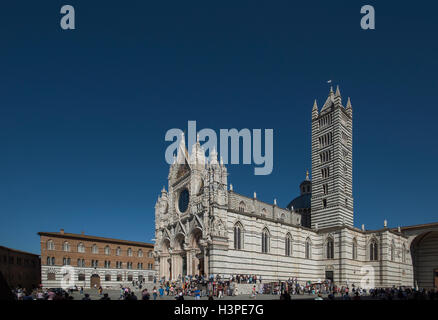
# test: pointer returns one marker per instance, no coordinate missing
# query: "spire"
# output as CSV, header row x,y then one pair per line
x,y
213,156
349,103
307,175
331,90
338,92
315,110
182,151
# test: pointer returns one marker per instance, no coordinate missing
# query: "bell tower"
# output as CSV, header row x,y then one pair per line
x,y
332,163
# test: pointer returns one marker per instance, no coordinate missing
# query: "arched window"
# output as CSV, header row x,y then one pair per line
x,y
265,241
50,245
66,246
374,250
392,250
282,217
288,245
107,250
53,261
94,249
238,245
308,249
129,252
118,251
242,206
404,253
330,248
264,212
81,247
140,253
48,261
354,254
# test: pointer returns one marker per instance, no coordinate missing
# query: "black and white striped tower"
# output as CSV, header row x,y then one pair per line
x,y
332,163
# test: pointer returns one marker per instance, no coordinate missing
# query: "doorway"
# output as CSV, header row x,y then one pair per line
x,y
329,275
95,281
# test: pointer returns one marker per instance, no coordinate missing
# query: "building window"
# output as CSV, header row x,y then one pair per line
x,y
265,241
107,277
119,277
150,266
66,246
51,276
238,237
325,188
288,245
354,249
140,266
107,250
330,248
50,245
129,277
107,264
48,261
118,251
66,261
94,263
150,254
81,277
324,203
129,252
81,247
94,249
140,253
374,250
308,249
53,261
392,250
242,206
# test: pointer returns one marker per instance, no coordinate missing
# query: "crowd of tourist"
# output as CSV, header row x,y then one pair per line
x,y
218,287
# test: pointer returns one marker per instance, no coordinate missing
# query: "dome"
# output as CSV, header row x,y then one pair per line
x,y
301,202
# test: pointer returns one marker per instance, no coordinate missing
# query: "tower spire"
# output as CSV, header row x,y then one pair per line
x,y
315,110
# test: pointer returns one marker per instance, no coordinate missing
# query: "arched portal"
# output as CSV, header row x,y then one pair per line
x,y
424,251
95,281
196,256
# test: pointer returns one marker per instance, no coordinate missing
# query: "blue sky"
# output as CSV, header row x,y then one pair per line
x,y
83,113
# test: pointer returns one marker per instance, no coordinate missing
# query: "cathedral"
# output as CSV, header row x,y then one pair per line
x,y
203,226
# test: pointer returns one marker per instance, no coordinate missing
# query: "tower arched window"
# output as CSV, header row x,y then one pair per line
x,y
354,253
94,249
140,253
118,251
129,252
107,250
330,247
265,240
288,245
308,249
238,236
374,250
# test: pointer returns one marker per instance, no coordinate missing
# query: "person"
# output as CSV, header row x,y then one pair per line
x,y
197,294
161,292
180,297
105,297
146,295
86,297
154,293
82,290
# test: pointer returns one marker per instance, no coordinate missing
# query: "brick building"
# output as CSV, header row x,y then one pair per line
x,y
19,268
69,259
